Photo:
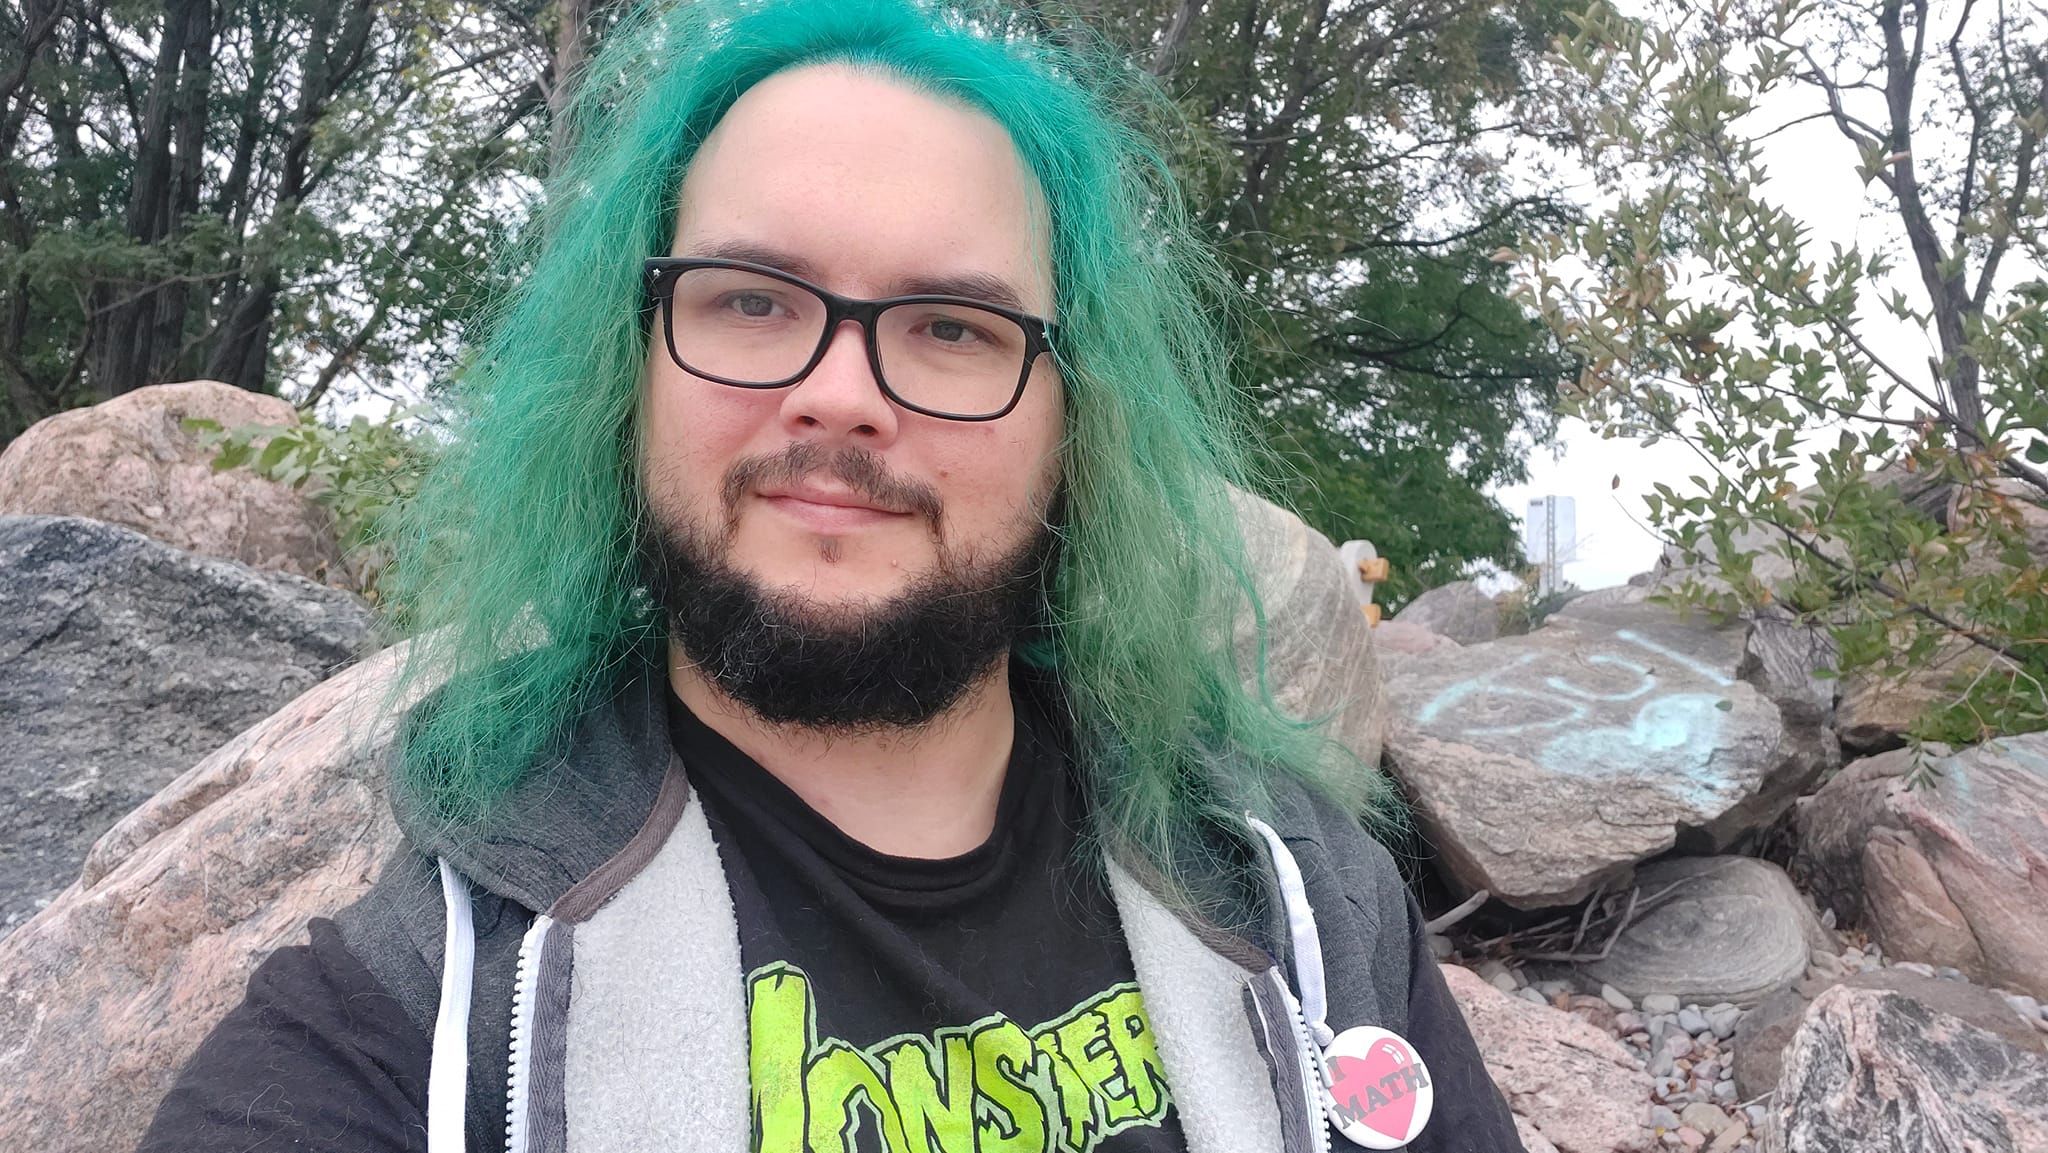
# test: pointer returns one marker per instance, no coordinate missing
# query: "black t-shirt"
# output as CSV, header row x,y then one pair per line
x,y
990,991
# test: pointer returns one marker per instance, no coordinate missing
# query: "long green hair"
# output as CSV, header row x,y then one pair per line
x,y
524,541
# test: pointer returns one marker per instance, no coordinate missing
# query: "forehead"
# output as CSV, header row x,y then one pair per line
x,y
870,184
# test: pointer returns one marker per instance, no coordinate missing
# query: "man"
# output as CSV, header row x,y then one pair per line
x,y
839,746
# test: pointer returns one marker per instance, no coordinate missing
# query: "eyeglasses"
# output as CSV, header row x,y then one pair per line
x,y
751,326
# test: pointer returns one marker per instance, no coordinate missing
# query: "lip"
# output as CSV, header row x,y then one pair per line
x,y
826,509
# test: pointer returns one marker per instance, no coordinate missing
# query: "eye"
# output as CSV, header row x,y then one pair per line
x,y
947,330
754,305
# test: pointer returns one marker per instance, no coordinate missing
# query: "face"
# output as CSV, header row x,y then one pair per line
x,y
825,492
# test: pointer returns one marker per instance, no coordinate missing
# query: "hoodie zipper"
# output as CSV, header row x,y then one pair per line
x,y
1307,1014
519,1075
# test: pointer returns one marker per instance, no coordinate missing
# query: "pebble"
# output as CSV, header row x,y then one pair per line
x,y
1617,998
1534,997
1552,990
1660,1065
1923,970
1660,1003
1703,1117
1692,1020
1662,1118
1755,1113
1626,1022
1690,1138
1734,1135
1504,981
1678,1045
1441,948
1951,973
2028,1008
1722,1019
1825,964
1724,1090
1708,1071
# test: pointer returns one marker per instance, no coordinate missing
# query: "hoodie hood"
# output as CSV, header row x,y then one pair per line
x,y
583,800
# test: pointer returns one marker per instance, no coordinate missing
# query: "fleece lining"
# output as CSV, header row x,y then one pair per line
x,y
1194,997
657,1037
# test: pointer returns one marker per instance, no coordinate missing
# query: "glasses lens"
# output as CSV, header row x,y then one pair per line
x,y
954,359
742,326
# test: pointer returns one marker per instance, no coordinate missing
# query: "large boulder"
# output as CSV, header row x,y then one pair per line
x,y
1545,766
1319,653
1712,930
123,661
1953,871
1570,1082
107,992
1458,610
1766,1030
1878,1071
131,462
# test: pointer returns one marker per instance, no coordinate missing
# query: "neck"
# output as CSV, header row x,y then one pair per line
x,y
929,791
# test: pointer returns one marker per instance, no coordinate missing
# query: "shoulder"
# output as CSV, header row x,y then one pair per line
x,y
319,1055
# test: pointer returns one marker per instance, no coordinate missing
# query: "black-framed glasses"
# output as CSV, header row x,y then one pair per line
x,y
751,326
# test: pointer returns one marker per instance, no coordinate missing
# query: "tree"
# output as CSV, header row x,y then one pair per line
x,y
281,194
1359,166
1703,313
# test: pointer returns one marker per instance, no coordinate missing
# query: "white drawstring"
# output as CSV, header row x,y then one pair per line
x,y
1301,929
448,1075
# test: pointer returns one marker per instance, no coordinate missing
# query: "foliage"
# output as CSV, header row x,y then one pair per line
x,y
286,195
1704,313
1359,166
301,196
362,471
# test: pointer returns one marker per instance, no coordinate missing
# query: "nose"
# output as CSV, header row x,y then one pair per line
x,y
840,398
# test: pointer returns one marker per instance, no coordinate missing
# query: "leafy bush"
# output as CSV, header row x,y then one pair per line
x,y
361,471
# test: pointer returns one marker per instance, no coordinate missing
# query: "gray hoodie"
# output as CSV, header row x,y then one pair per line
x,y
595,1000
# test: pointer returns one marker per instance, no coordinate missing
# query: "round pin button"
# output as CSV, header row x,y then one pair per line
x,y
1380,1093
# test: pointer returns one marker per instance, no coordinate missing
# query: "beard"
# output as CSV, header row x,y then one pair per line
x,y
896,663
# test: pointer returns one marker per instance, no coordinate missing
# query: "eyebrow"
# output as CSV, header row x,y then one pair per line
x,y
979,286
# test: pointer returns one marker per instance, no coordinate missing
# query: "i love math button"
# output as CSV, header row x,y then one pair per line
x,y
1380,1095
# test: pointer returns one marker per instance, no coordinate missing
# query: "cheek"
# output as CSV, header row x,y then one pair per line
x,y
693,436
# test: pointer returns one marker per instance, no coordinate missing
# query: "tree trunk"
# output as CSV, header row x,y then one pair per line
x,y
572,32
134,322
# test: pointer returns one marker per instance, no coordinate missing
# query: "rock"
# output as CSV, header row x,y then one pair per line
x,y
1661,1117
1570,1082
1692,1020
1953,875
1767,1029
1616,998
1532,1141
1723,1019
1659,1003
1875,713
1868,1064
129,461
1411,639
1458,610
123,661
1705,1118
1545,766
1714,929
105,993
1319,658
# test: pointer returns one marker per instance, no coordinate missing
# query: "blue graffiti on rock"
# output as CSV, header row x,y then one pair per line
x,y
1671,737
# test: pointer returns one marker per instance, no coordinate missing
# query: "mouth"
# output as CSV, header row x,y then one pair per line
x,y
825,508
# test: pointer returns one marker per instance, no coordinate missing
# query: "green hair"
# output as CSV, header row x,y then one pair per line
x,y
525,539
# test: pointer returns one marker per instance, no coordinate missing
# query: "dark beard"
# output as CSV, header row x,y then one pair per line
x,y
897,664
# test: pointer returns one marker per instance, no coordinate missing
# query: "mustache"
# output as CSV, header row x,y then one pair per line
x,y
858,468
